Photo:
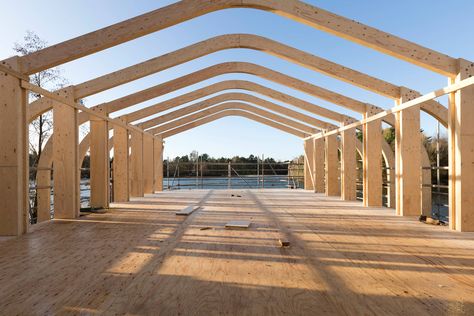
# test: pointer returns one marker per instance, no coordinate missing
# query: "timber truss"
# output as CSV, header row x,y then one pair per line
x,y
138,136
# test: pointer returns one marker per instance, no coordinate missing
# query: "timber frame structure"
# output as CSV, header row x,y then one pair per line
x,y
138,147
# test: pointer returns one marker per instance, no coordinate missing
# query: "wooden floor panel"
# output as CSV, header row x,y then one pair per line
x,y
140,258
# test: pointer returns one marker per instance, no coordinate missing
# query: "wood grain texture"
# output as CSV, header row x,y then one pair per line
x,y
65,159
187,9
14,153
144,260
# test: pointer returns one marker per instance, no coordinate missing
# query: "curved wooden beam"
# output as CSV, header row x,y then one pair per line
x,y
233,97
235,67
229,41
180,119
225,113
240,41
185,10
237,85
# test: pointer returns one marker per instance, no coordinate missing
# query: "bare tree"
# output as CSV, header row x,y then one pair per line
x,y
41,128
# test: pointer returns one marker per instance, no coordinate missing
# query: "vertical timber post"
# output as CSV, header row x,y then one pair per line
x,y
408,157
148,176
372,161
66,169
136,164
14,152
100,163
121,170
308,165
348,165
318,164
158,163
461,152
332,163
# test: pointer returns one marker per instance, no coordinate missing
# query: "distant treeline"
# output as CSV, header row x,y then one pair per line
x,y
193,164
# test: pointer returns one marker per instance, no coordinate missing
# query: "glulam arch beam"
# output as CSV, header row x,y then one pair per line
x,y
233,96
187,9
238,85
192,113
226,113
241,41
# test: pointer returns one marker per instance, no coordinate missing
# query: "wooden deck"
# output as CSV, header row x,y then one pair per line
x,y
142,259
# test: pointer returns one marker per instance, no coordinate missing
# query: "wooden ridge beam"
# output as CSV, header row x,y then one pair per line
x,y
187,9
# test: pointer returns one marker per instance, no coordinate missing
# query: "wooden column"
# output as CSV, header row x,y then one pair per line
x,y
461,152
148,170
120,164
13,153
318,164
158,163
136,164
407,157
100,163
308,164
348,165
65,159
331,166
372,162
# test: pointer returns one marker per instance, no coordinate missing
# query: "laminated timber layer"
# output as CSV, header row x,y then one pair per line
x,y
142,259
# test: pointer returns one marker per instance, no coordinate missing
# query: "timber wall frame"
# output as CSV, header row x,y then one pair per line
x,y
14,114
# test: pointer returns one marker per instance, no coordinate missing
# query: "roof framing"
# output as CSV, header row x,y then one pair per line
x,y
187,9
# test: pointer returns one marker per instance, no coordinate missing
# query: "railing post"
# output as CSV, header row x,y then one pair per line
x,y
229,175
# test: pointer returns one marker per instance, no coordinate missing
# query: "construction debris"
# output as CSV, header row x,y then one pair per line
x,y
431,221
237,225
187,210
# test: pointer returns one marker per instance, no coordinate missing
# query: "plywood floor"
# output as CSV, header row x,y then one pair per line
x,y
142,259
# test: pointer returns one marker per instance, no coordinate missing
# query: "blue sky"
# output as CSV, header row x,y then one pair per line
x,y
432,23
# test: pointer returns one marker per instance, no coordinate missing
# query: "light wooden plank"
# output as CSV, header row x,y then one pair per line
x,y
238,225
188,210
